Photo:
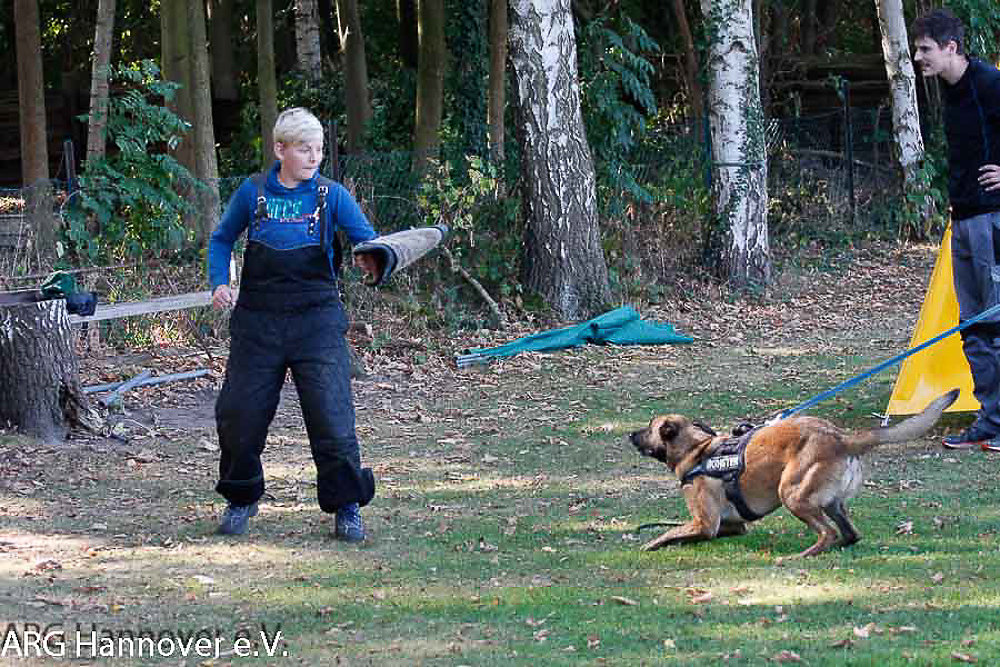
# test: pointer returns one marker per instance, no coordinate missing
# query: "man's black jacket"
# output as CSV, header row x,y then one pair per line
x,y
972,125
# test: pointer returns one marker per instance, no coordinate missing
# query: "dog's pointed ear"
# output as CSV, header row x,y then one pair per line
x,y
703,427
668,430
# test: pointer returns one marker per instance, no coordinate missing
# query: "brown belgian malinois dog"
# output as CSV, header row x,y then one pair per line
x,y
804,463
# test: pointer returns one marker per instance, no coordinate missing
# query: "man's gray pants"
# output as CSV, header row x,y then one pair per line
x,y
975,256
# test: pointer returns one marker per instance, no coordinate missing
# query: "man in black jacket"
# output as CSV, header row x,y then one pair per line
x,y
971,90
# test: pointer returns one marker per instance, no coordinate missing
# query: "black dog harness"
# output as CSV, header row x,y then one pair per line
x,y
727,463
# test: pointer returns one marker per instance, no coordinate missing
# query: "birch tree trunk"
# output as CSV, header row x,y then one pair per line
x,y
739,154
310,60
266,80
98,118
905,117
430,82
206,161
40,391
498,78
357,103
223,61
563,260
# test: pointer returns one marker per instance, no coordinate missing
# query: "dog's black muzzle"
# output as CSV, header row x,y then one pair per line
x,y
635,438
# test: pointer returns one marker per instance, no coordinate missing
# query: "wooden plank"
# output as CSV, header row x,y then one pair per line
x,y
159,305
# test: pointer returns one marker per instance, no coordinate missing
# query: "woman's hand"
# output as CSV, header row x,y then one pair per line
x,y
222,298
368,265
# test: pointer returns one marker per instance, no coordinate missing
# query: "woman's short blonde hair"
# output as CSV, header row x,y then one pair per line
x,y
297,124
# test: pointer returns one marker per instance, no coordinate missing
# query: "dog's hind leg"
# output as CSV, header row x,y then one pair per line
x,y
815,518
838,512
732,529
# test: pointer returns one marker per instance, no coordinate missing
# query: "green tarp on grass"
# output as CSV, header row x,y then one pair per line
x,y
621,326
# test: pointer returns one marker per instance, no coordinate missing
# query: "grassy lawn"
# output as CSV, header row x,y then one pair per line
x,y
503,532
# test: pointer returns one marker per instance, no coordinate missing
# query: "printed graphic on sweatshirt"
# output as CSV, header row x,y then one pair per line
x,y
289,224
285,210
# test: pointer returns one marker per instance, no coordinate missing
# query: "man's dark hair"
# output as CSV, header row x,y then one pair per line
x,y
942,26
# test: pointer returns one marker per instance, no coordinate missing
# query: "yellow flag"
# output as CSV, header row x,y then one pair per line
x,y
941,367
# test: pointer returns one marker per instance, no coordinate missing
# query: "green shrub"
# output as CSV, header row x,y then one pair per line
x,y
131,201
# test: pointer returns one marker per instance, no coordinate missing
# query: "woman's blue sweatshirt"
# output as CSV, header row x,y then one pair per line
x,y
286,231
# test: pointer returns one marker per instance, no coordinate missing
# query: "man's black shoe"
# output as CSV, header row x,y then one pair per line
x,y
970,438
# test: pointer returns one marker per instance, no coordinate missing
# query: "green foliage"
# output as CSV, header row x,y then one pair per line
x,y
466,103
982,21
483,220
393,119
130,201
922,203
243,154
616,101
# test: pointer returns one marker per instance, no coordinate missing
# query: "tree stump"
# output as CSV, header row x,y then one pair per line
x,y
40,392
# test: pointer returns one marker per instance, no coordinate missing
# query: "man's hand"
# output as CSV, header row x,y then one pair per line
x,y
989,177
368,265
222,298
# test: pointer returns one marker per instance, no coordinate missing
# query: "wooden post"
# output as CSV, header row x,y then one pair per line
x,y
40,392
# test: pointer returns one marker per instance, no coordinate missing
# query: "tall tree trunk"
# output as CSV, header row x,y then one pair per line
x,y
430,82
810,26
829,15
98,119
406,12
310,59
176,58
739,184
223,61
905,117
328,31
206,162
692,68
564,261
40,391
352,41
762,31
266,80
34,135
498,77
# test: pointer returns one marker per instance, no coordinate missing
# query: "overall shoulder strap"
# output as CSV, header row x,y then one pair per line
x,y
322,190
323,187
260,209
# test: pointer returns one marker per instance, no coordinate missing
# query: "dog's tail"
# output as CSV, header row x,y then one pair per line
x,y
908,429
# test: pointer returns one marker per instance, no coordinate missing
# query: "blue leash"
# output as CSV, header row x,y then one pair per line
x,y
885,364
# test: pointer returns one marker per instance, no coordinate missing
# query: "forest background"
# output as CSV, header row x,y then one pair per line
x,y
420,103
509,506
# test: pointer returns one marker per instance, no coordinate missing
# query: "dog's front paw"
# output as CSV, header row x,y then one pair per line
x,y
652,545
